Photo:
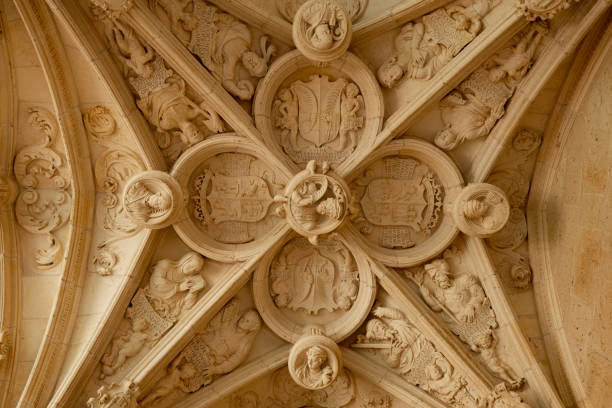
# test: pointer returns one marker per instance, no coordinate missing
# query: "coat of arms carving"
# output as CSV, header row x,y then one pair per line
x,y
319,119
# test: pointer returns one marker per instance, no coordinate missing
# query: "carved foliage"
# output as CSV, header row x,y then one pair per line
x,y
232,196
543,9
319,119
471,110
43,205
218,349
425,45
309,278
288,394
397,202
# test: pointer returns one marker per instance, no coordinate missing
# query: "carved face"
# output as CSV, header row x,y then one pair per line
x,y
446,139
316,358
390,73
352,90
433,372
250,321
376,329
322,38
256,65
192,263
191,133
159,202
139,324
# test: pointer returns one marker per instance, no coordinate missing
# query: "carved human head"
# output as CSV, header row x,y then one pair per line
x,y
433,371
190,133
440,273
351,90
322,37
390,73
446,139
159,203
316,357
188,370
191,263
250,321
376,329
255,64
139,324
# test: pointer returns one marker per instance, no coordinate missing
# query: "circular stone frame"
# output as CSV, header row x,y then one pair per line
x,y
452,182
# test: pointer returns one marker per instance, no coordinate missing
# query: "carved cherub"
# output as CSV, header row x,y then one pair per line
x,y
134,53
178,373
486,344
126,346
285,111
440,380
315,372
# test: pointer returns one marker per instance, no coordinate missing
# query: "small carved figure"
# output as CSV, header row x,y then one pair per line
x,y
486,344
135,54
142,204
440,380
460,297
223,43
179,18
176,378
375,399
324,25
315,372
170,110
174,286
125,346
352,102
286,112
115,395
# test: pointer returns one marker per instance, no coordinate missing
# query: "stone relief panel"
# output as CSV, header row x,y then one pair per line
x,y
224,45
390,336
115,395
318,112
542,9
112,169
513,175
288,8
43,205
425,45
472,109
481,210
461,303
218,349
324,285
173,287
169,105
315,361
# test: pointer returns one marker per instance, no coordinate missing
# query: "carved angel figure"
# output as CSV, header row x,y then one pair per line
x,y
223,43
177,376
402,341
142,204
439,379
460,297
174,286
486,344
315,372
170,110
125,346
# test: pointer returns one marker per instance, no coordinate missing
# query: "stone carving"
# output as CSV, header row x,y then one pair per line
x,y
112,9
322,30
315,361
161,95
502,397
314,201
5,347
173,287
223,45
425,45
114,396
319,118
471,110
543,9
152,199
414,357
481,210
44,203
288,394
248,399
288,8
232,195
310,278
465,309
375,399
397,202
99,122
513,175
220,348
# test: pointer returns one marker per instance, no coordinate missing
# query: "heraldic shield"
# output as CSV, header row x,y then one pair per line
x,y
319,108
235,198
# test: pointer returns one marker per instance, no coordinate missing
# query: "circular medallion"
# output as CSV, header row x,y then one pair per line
x,y
315,112
231,211
329,286
398,199
481,210
314,362
152,199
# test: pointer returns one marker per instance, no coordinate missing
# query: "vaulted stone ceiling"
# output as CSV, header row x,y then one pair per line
x,y
290,203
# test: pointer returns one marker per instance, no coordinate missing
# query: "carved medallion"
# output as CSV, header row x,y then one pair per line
x,y
310,279
315,201
314,362
400,202
322,30
288,8
481,210
319,118
288,394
